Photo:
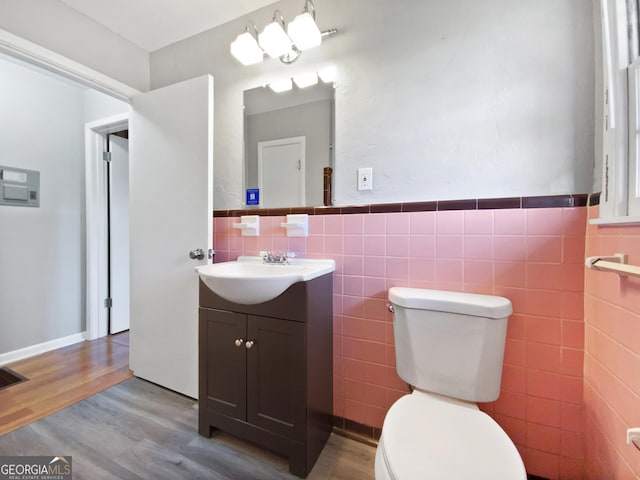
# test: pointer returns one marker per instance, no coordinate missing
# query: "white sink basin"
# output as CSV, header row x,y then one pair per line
x,y
249,280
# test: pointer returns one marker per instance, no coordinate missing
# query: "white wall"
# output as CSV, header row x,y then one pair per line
x,y
98,106
42,249
455,99
54,25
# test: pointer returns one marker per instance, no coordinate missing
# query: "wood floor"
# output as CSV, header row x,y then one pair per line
x,y
134,429
61,378
137,430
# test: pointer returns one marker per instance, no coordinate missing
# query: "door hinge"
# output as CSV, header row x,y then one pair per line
x,y
108,302
106,156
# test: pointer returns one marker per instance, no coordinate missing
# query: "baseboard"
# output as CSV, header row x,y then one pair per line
x,y
356,431
27,352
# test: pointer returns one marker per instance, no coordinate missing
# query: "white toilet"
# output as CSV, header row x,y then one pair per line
x,y
449,347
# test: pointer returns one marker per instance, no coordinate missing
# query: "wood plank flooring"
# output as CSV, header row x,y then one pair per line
x,y
138,430
77,402
61,378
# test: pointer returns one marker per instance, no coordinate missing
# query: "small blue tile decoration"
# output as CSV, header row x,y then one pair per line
x,y
253,196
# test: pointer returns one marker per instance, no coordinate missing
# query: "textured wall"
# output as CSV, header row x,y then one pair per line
x,y
612,356
534,257
456,99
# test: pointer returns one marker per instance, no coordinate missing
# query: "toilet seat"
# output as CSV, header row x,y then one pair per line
x,y
427,436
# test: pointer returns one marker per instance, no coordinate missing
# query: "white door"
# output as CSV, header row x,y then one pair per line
x,y
119,234
281,165
171,210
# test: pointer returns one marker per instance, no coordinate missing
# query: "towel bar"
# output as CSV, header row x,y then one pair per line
x,y
616,263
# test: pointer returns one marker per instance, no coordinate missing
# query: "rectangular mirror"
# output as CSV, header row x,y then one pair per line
x,y
289,145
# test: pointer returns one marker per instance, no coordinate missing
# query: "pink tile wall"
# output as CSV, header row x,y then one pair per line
x,y
611,357
533,257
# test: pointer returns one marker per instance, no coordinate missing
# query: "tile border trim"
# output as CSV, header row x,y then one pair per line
x,y
549,201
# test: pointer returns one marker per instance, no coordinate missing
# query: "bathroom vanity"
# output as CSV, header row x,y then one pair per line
x,y
266,370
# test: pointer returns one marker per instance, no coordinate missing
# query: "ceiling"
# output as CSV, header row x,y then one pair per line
x,y
153,24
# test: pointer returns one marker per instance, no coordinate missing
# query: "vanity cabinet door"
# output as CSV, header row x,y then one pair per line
x,y
276,380
225,362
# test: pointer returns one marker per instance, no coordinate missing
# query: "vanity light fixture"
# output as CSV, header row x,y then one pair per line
x,y
245,47
281,85
301,34
303,30
306,79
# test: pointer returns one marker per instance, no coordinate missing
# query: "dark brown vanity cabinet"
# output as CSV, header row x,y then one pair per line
x,y
266,370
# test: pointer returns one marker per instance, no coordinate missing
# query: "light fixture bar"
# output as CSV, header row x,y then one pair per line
x,y
279,40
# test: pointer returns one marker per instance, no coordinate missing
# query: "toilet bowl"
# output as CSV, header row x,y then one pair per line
x,y
449,347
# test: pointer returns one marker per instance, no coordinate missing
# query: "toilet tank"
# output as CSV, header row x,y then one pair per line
x,y
450,343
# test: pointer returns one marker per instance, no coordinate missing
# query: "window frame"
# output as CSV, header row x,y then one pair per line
x,y
620,197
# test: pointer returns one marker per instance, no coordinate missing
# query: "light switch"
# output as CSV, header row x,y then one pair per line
x,y
365,178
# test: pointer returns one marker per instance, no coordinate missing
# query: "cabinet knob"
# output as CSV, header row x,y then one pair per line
x,y
249,344
239,342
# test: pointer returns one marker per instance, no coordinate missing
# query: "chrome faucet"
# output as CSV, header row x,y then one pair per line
x,y
277,258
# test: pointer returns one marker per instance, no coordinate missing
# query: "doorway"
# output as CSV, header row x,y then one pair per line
x,y
117,193
107,200
282,162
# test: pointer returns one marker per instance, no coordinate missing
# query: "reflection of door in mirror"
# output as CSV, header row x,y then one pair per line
x,y
281,166
271,117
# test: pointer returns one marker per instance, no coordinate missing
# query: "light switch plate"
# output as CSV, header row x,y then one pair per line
x,y
365,178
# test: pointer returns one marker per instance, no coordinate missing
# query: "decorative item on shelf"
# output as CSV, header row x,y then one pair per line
x,y
297,225
249,225
301,34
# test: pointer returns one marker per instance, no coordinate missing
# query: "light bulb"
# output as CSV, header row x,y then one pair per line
x,y
306,79
274,40
246,50
281,85
328,74
304,32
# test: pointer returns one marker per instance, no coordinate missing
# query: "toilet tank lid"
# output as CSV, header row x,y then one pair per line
x,y
487,306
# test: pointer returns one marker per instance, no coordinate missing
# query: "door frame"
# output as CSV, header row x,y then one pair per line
x,y
34,54
301,141
118,218
96,221
95,142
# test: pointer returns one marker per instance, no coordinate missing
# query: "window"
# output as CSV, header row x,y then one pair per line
x,y
620,198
